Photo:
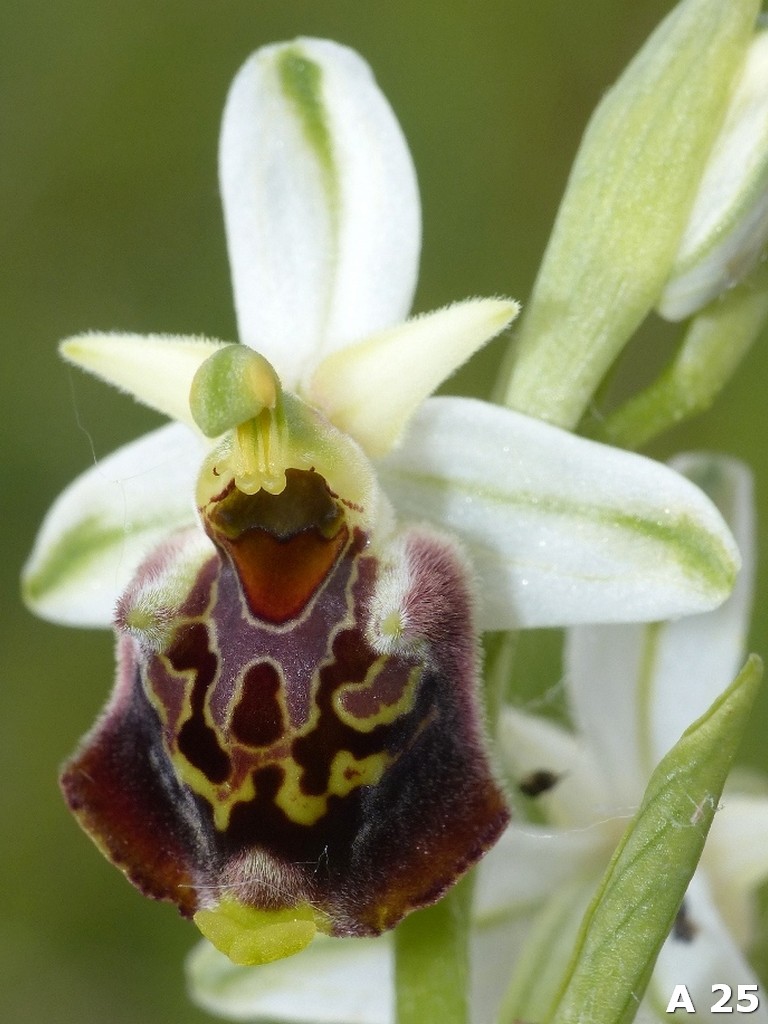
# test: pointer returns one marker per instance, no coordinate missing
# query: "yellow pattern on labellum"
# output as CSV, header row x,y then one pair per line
x,y
346,774
385,712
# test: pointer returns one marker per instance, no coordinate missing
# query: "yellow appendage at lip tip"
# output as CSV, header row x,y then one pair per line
x,y
250,937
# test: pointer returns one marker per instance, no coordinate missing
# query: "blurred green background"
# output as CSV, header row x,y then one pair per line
x,y
110,218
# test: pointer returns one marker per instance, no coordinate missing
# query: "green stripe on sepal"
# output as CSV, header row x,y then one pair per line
x,y
631,913
698,553
71,555
301,81
560,530
693,549
103,525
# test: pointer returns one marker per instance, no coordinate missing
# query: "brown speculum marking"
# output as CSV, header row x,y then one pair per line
x,y
283,759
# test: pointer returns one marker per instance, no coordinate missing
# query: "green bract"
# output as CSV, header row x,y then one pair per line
x,y
626,206
632,913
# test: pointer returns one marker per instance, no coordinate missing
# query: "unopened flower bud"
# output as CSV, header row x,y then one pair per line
x,y
728,228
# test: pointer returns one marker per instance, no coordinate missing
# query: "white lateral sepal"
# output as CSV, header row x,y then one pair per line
x,y
106,522
561,530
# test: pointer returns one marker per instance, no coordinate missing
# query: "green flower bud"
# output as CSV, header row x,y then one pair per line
x,y
626,206
728,228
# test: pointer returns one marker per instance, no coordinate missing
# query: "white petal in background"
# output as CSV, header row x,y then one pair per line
x,y
608,685
698,656
538,965
736,859
321,204
495,949
104,524
529,743
333,981
560,530
706,955
530,863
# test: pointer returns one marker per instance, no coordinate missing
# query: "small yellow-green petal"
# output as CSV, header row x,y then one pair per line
x,y
157,369
372,389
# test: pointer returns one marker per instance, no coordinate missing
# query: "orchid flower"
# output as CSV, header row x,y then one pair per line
x,y
298,569
632,690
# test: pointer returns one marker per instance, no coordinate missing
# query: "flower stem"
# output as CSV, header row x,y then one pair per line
x,y
432,961
713,348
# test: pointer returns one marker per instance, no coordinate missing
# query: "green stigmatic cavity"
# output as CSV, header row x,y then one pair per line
x,y
276,758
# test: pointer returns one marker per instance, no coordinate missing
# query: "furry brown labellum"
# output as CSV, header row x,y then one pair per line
x,y
300,729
